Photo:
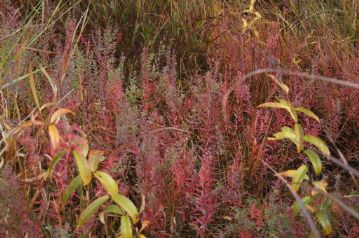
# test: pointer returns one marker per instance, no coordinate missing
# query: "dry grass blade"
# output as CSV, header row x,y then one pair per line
x,y
51,81
18,79
68,54
33,87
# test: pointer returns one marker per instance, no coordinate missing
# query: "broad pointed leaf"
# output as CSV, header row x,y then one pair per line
x,y
315,160
321,185
324,220
54,137
291,173
282,104
308,113
91,209
107,182
290,108
83,168
299,134
299,177
127,205
281,135
126,229
54,161
317,142
73,185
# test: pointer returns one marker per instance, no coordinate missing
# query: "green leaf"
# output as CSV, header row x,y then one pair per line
x,y
91,209
73,185
107,182
299,177
54,137
315,160
282,104
285,133
296,207
126,229
114,209
54,161
95,157
299,134
324,220
317,142
308,113
127,205
83,167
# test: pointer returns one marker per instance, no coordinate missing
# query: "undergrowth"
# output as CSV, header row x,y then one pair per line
x,y
164,95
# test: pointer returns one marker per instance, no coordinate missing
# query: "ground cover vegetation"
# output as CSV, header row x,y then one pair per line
x,y
198,118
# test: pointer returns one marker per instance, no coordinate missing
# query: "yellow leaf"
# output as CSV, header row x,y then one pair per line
x,y
321,185
83,167
308,113
107,182
291,173
54,137
282,104
245,25
101,216
299,134
127,205
144,224
56,115
317,142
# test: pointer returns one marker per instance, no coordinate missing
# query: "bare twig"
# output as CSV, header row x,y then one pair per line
x,y
342,157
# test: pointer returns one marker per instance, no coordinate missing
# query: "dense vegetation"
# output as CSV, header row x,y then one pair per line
x,y
196,118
